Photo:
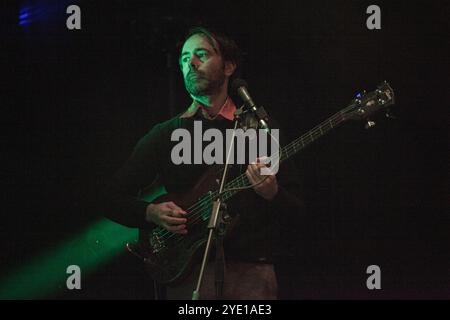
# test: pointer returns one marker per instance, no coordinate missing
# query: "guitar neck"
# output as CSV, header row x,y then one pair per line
x,y
305,140
289,150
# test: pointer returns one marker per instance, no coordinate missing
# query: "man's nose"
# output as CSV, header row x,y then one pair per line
x,y
194,62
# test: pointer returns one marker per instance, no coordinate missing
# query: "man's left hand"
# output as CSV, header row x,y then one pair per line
x,y
266,189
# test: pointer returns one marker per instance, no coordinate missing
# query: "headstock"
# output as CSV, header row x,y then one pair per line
x,y
368,103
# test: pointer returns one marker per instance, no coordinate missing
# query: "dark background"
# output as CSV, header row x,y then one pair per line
x,y
74,103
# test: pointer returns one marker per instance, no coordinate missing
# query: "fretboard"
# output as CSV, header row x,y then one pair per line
x,y
288,151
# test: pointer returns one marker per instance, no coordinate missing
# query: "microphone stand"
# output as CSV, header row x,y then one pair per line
x,y
216,227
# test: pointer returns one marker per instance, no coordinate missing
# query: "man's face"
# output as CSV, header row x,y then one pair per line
x,y
202,67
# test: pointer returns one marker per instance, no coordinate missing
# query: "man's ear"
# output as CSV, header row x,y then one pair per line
x,y
229,68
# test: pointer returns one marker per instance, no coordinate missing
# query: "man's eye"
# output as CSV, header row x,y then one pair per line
x,y
185,59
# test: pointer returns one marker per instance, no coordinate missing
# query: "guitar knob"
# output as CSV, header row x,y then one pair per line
x,y
369,124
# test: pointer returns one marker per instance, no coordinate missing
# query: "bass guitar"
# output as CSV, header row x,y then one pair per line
x,y
169,256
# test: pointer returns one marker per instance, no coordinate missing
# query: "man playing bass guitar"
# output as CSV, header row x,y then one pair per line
x,y
252,248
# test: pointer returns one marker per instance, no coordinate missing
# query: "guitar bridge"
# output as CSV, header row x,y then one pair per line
x,y
156,242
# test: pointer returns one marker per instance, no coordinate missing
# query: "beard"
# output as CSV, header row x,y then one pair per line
x,y
198,83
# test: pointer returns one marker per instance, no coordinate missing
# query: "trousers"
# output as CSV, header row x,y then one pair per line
x,y
242,281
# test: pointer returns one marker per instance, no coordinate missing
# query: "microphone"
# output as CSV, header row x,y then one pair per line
x,y
239,87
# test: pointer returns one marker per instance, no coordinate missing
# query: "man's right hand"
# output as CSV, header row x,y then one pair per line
x,y
167,215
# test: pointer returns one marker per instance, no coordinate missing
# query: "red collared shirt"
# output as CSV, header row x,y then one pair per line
x,y
226,111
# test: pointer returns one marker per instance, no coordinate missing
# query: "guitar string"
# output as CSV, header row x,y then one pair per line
x,y
306,138
196,215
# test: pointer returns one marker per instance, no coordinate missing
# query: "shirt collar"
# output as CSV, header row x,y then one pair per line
x,y
226,111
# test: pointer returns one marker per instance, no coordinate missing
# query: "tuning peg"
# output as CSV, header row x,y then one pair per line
x,y
369,124
359,95
389,114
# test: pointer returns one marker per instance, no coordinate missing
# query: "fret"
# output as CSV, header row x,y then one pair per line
x,y
319,133
307,139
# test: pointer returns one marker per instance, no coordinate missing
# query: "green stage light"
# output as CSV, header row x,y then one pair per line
x,y
45,274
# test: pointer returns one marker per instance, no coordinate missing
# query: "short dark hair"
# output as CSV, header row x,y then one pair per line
x,y
227,47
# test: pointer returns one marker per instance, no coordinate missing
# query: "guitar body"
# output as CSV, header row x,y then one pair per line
x,y
168,257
